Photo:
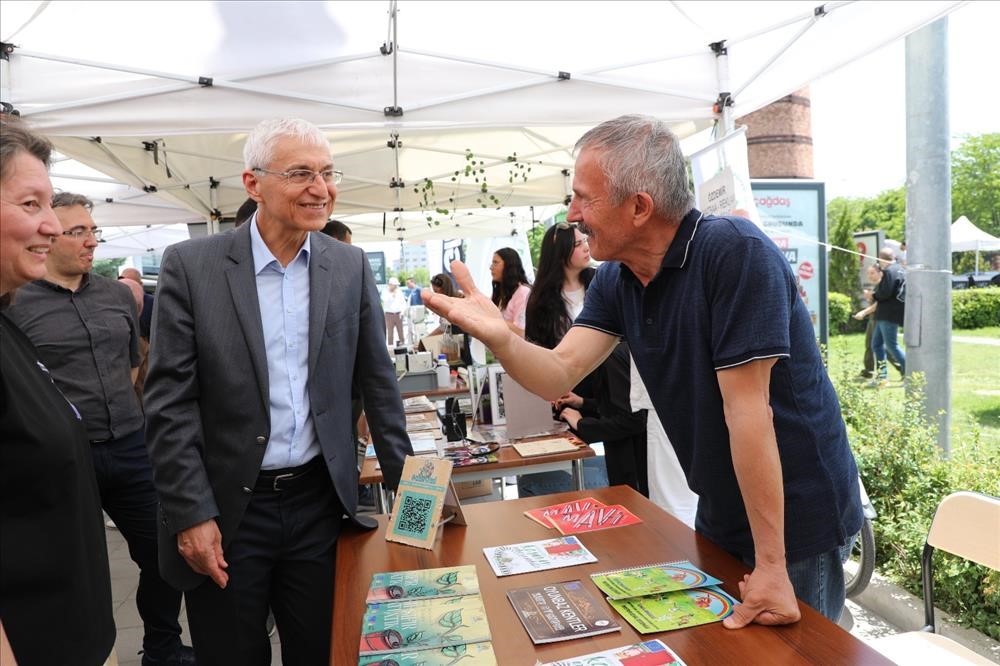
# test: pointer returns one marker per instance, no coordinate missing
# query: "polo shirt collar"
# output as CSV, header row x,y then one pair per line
x,y
677,253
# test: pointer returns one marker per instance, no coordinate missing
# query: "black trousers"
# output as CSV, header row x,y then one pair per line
x,y
125,480
282,558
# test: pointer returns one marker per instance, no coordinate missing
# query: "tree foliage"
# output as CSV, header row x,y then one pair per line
x,y
975,181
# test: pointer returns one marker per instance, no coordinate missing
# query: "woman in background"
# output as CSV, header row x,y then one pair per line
x,y
510,287
55,588
563,274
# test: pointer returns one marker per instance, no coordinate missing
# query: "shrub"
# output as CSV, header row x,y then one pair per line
x,y
975,308
840,309
906,479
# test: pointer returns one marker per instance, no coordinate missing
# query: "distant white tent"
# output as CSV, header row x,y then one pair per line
x,y
967,237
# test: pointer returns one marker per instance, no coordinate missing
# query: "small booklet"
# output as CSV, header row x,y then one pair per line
x,y
541,516
425,494
596,518
647,653
422,583
675,610
468,654
560,612
652,579
544,447
417,404
537,555
404,626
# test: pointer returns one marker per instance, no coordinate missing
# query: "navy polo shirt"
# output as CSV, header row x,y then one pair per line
x,y
725,295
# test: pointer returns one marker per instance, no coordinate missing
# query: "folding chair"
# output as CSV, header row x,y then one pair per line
x,y
966,524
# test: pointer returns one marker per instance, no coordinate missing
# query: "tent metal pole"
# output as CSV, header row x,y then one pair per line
x,y
723,104
186,78
106,99
927,330
778,53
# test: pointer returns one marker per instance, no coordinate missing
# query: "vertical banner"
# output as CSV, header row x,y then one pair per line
x,y
377,261
721,175
793,215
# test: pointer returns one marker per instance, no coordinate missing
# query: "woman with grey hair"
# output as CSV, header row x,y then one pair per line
x,y
55,589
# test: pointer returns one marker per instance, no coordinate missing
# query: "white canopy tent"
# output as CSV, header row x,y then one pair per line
x,y
967,237
159,95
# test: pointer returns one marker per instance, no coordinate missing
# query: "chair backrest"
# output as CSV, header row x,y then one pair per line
x,y
967,524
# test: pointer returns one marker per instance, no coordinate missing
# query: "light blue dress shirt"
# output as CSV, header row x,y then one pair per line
x,y
283,295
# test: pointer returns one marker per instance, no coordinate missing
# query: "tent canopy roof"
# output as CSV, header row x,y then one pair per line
x,y
161,94
966,237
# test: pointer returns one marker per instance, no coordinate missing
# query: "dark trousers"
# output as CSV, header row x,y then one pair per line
x,y
281,557
125,480
869,354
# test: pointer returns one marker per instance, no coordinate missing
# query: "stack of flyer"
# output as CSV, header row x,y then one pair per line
x,y
427,616
584,515
662,597
647,653
517,558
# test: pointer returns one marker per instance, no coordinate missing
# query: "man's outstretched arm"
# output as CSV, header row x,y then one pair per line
x,y
550,373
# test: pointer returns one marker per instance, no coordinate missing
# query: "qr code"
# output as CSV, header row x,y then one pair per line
x,y
414,514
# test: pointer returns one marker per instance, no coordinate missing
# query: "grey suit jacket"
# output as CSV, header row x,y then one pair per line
x,y
206,396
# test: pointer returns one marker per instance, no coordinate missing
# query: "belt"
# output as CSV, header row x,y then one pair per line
x,y
276,480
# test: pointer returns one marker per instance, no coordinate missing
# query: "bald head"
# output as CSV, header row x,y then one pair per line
x,y
886,255
131,274
137,292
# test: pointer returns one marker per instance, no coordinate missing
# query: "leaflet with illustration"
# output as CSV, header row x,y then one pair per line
x,y
675,610
422,583
597,518
466,654
537,555
560,612
404,626
647,653
580,506
652,579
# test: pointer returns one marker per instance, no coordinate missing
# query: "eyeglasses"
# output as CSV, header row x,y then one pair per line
x,y
76,233
306,176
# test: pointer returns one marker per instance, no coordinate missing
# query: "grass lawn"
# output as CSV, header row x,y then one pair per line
x,y
975,379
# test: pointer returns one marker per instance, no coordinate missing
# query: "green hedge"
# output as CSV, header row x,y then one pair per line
x,y
975,308
839,308
905,478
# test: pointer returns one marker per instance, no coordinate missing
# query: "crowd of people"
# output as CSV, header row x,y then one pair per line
x,y
232,469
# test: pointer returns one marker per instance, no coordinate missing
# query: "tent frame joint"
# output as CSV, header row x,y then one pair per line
x,y
719,48
393,111
6,48
205,81
396,183
564,76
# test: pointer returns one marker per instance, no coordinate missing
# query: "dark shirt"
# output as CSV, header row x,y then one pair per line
x,y
146,318
724,296
55,590
886,293
89,340
414,297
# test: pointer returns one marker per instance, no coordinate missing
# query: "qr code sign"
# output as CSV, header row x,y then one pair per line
x,y
414,515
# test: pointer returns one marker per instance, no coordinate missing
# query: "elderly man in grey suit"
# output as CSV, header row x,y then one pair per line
x,y
258,334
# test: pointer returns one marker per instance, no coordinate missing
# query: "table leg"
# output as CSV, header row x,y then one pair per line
x,y
380,498
578,474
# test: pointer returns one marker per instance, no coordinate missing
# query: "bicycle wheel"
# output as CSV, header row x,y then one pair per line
x,y
861,564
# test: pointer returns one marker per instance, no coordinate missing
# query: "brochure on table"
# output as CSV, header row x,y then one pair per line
x,y
560,612
647,653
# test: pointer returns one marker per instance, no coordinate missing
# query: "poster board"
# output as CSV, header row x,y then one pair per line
x,y
793,215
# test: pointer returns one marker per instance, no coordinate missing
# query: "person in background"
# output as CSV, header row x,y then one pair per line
x,y
726,348
510,287
146,311
55,587
339,230
85,328
393,304
138,294
256,475
413,292
245,212
889,316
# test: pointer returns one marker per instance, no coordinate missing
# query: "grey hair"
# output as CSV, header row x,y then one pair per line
x,y
17,138
640,154
68,199
259,148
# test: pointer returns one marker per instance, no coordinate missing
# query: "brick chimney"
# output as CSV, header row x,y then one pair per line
x,y
779,138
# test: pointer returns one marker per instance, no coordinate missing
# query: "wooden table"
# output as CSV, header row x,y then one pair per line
x,y
509,463
660,538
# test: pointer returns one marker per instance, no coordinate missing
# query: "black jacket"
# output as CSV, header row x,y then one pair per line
x,y
890,307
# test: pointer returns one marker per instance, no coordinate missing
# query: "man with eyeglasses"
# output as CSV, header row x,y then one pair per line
x,y
86,330
259,334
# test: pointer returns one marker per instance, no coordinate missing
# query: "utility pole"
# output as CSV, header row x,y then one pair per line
x,y
927,331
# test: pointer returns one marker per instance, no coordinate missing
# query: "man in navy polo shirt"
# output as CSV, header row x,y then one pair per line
x,y
724,344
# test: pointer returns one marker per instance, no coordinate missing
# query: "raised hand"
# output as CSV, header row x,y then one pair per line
x,y
475,314
768,598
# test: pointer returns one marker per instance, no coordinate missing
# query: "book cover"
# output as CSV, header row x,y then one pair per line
x,y
544,447
468,654
542,514
416,513
421,583
403,626
647,653
596,518
675,610
560,612
537,555
652,579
